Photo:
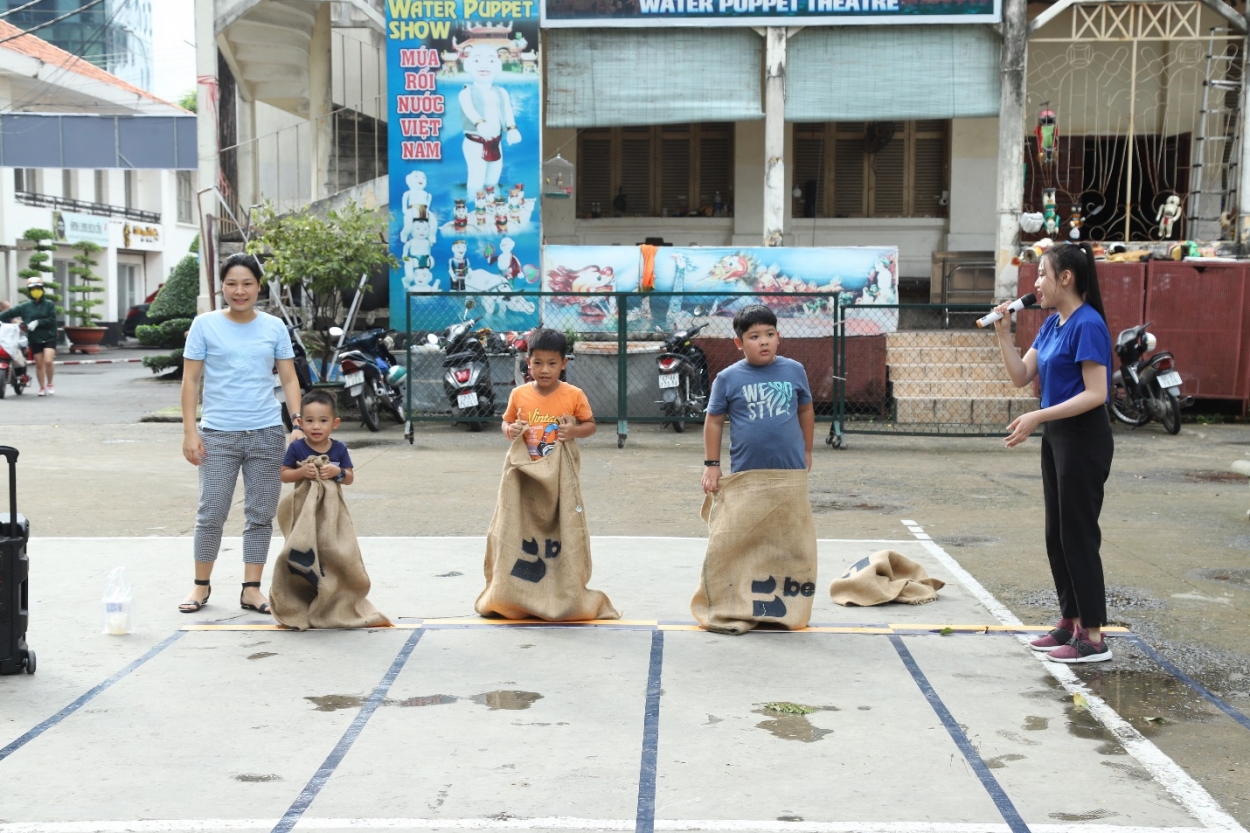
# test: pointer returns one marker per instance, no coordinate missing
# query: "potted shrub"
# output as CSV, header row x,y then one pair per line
x,y
170,317
39,266
85,334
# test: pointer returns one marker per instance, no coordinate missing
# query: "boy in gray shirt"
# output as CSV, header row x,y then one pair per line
x,y
768,401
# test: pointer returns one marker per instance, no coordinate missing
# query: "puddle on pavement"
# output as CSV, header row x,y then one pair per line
x,y
1134,772
1001,761
256,779
452,574
1092,815
261,655
789,721
507,700
966,540
334,702
826,502
1215,477
427,700
1036,724
1239,576
790,818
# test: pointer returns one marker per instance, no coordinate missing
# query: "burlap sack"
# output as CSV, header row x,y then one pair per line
x,y
760,565
319,580
885,576
538,549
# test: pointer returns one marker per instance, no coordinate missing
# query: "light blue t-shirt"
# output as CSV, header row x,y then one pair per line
x,y
763,407
238,369
1061,349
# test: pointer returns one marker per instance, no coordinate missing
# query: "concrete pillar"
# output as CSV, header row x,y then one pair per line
x,y
206,136
774,135
1010,201
320,103
1243,156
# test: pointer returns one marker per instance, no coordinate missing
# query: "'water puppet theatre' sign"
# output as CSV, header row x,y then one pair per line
x,y
603,13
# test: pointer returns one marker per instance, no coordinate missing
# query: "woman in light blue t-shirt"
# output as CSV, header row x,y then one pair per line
x,y
1071,358
234,351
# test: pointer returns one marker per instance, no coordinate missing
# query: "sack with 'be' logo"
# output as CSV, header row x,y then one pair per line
x,y
760,565
538,549
320,579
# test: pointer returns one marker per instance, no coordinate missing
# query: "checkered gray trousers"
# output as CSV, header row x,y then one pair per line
x,y
259,455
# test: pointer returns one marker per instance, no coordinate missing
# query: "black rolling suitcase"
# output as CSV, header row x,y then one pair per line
x,y
15,656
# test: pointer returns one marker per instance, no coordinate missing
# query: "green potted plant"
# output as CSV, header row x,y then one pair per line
x,y
38,266
85,334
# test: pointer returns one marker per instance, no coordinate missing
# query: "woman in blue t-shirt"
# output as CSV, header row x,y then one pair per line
x,y
235,351
1071,358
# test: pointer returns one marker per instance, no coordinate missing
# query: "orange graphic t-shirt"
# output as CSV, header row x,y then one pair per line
x,y
543,413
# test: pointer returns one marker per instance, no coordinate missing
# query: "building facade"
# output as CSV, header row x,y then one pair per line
x,y
115,35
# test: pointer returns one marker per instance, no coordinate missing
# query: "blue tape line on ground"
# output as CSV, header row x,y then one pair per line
x,y
999,796
1202,690
323,773
86,698
645,821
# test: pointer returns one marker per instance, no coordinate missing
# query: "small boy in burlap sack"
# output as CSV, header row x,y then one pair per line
x,y
760,566
538,548
320,579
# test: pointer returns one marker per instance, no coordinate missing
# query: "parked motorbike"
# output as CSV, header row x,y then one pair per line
x,y
467,380
1146,389
15,359
302,373
372,376
683,378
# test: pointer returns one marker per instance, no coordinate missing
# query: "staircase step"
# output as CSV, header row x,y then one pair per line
x,y
960,389
939,410
942,354
976,371
942,338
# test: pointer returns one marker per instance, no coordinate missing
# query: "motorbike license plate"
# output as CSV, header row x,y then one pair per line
x,y
1171,379
467,400
668,380
357,378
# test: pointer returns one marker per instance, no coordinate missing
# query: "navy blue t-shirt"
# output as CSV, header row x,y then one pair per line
x,y
1062,348
299,451
762,402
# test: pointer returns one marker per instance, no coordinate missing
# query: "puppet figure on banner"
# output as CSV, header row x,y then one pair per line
x,y
465,163
857,277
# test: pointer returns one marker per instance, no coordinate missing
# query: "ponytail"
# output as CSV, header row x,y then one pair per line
x,y
1078,258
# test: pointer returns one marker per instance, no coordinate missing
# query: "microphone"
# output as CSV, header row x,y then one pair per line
x,y
1015,306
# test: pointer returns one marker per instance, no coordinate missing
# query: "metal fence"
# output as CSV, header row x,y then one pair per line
x,y
904,369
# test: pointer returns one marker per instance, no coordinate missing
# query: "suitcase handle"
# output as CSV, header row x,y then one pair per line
x,y
10,453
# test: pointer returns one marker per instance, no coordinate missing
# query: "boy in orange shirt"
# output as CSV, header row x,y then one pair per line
x,y
547,410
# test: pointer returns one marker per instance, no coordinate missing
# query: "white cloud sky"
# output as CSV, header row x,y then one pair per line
x,y
173,55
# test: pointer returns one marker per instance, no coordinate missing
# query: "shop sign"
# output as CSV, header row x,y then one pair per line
x,y
581,13
139,236
73,228
464,106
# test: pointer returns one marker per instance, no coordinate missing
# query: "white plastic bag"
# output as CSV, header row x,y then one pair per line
x,y
119,607
11,341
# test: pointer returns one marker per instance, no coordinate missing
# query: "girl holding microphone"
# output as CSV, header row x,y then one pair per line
x,y
1071,357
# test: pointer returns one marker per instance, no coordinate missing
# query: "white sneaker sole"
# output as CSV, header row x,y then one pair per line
x,y
1103,657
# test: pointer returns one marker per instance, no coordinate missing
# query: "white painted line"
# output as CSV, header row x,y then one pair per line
x,y
1176,781
475,538
561,823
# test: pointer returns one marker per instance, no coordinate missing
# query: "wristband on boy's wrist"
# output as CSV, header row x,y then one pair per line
x,y
710,463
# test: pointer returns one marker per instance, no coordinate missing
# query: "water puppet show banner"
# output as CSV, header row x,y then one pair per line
x,y
464,112
858,277
603,13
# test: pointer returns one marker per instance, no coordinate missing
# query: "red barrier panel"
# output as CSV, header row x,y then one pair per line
x,y
1200,315
1123,287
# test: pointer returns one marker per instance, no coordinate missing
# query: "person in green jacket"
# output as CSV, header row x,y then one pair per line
x,y
39,315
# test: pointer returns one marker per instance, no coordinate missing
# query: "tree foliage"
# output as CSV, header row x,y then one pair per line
x,y
189,101
88,286
179,295
324,253
39,266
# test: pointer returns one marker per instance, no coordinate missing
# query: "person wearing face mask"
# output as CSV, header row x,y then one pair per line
x,y
39,316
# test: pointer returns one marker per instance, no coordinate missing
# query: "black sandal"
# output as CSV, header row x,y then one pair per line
x,y
194,606
264,606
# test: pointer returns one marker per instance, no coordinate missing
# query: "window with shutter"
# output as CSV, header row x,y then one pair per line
x,y
905,178
655,171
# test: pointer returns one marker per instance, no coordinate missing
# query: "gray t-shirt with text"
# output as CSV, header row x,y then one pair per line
x,y
762,403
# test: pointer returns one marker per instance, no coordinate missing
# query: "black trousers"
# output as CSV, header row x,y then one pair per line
x,y
1076,459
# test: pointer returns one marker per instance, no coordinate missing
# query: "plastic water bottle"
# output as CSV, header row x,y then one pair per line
x,y
118,600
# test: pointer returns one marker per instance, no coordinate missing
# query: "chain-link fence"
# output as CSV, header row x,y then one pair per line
x,y
927,369
640,357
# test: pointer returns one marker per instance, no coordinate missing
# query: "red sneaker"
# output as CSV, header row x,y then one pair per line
x,y
1059,636
1080,650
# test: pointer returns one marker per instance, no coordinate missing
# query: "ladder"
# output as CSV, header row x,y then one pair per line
x,y
1213,173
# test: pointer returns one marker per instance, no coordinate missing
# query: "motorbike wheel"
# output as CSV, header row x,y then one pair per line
x,y
19,383
370,410
1122,408
396,406
1171,414
9,377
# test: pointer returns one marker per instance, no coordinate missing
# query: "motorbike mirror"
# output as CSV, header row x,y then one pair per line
x,y
470,304
432,339
699,310
336,331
